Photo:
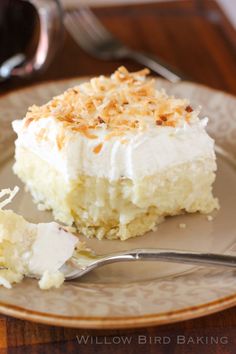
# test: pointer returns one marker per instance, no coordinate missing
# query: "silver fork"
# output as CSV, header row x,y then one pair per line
x,y
86,261
95,39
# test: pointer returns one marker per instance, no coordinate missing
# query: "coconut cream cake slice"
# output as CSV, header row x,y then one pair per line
x,y
114,156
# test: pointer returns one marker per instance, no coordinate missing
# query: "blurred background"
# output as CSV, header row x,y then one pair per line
x,y
196,38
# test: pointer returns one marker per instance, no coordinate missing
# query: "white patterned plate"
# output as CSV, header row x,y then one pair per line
x,y
137,294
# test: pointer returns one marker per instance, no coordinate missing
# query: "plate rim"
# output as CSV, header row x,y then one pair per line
x,y
120,322
115,322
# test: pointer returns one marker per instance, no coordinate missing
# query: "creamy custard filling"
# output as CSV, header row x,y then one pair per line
x,y
121,209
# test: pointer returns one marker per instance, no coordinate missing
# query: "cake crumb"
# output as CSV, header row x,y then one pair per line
x,y
182,226
50,280
42,207
154,228
209,217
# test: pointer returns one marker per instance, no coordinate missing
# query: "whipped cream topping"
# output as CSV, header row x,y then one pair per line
x,y
138,154
114,127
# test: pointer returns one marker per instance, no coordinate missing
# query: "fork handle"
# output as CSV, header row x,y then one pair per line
x,y
196,258
157,65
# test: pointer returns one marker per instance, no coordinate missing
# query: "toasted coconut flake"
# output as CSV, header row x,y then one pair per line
x,y
188,117
60,140
100,120
98,148
113,134
170,123
90,136
163,118
122,102
84,130
28,121
189,109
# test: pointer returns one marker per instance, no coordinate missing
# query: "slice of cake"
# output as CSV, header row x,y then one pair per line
x,y
37,250
114,156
